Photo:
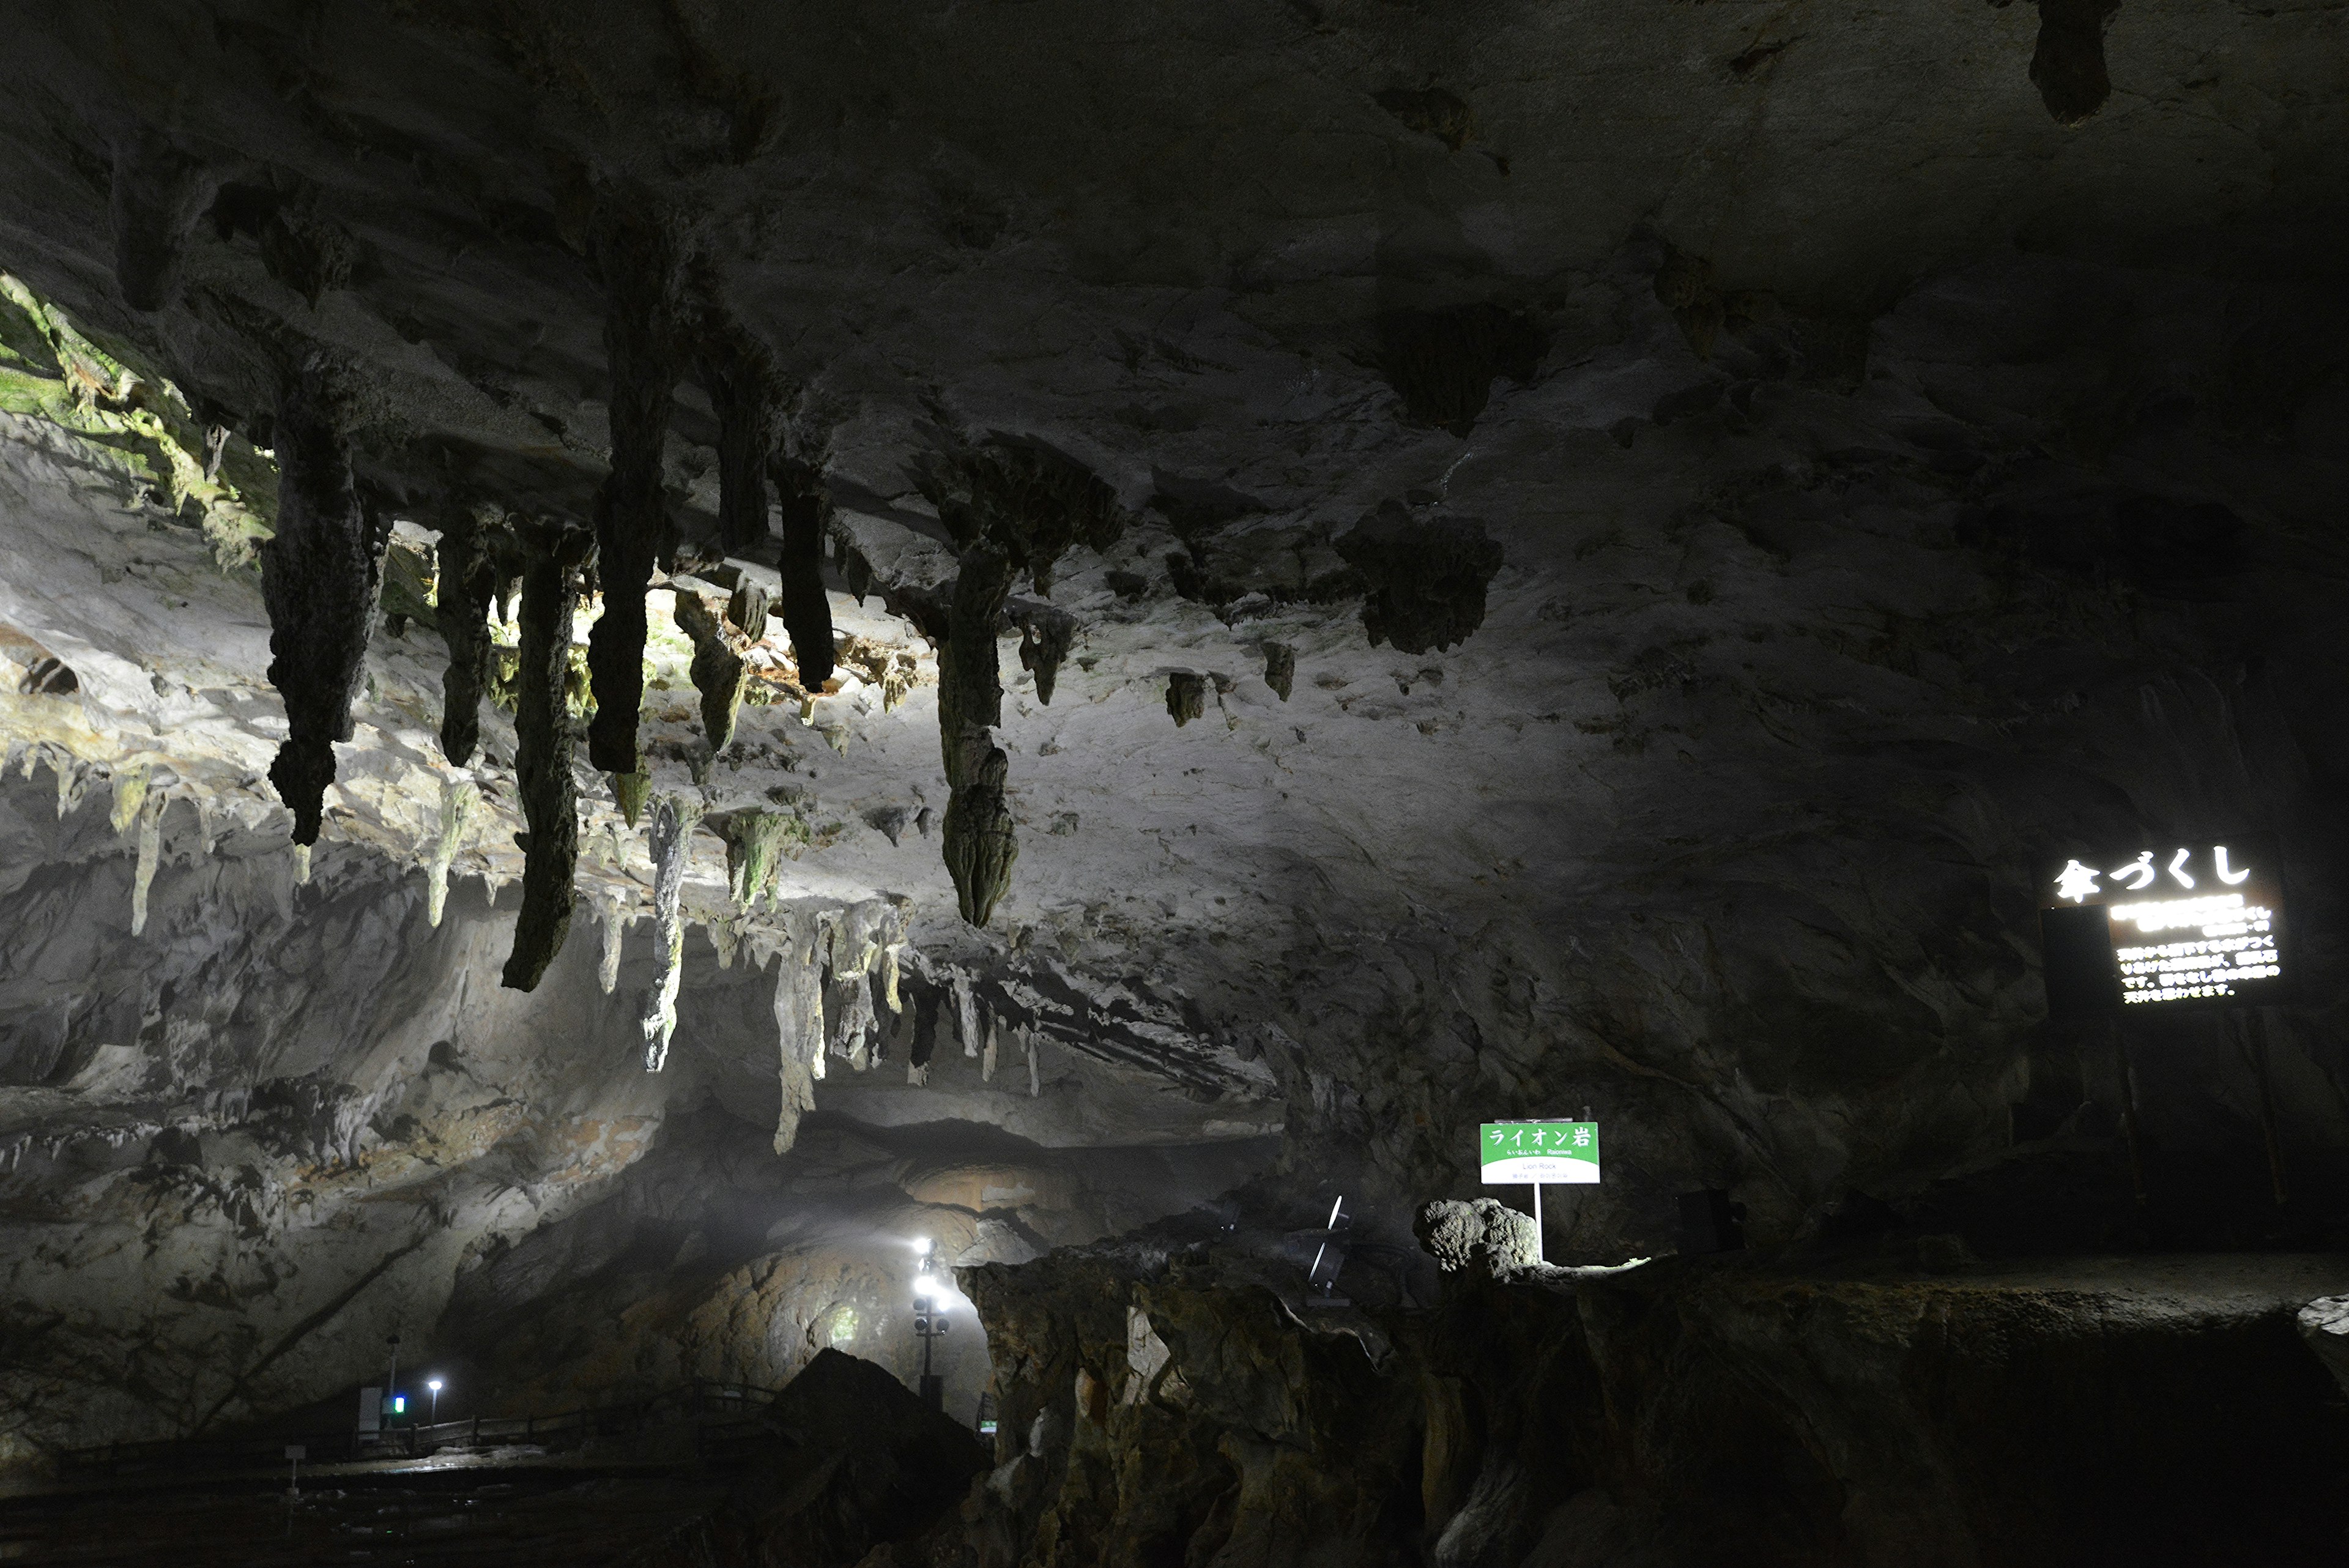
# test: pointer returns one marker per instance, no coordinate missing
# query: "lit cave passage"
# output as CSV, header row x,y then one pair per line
x,y
820,786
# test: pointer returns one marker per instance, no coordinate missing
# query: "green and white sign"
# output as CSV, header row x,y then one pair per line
x,y
1519,1153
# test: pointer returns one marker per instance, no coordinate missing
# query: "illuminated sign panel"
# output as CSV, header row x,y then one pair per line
x,y
2179,926
1516,1153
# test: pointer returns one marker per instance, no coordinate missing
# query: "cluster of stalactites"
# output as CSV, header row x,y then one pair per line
x,y
843,952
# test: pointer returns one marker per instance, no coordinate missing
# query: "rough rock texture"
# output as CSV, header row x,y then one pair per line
x,y
1178,1402
1426,577
156,197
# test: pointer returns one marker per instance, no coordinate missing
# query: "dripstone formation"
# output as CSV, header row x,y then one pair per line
x,y
851,748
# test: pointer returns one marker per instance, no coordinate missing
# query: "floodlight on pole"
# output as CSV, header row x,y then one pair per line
x,y
434,1385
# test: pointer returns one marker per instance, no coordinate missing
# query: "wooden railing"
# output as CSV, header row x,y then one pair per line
x,y
720,1413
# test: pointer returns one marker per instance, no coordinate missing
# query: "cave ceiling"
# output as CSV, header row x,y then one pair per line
x,y
1575,553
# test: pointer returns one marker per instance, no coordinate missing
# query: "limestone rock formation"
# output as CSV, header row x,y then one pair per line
x,y
636,249
543,744
322,573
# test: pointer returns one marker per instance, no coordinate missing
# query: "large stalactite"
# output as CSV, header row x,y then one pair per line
x,y
468,582
638,257
544,734
980,840
807,614
717,672
321,576
673,820
749,396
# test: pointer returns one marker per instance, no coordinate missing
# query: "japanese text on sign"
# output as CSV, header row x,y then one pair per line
x,y
2185,925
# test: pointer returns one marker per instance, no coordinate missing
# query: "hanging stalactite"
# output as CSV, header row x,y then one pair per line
x,y
798,1024
150,849
980,841
544,739
717,672
321,576
738,373
616,925
673,820
637,254
805,505
464,588
458,802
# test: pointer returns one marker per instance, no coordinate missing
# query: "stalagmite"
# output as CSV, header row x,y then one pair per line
x,y
673,820
803,504
458,800
321,577
616,925
150,846
544,740
798,1026
717,669
980,840
635,252
465,588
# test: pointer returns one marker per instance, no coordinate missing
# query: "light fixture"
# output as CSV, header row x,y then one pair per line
x,y
434,1385
922,1245
925,1287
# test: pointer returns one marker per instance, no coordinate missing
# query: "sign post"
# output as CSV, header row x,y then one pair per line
x,y
1514,1154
